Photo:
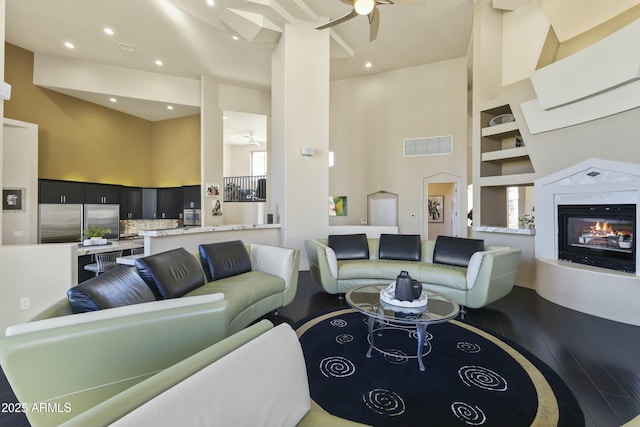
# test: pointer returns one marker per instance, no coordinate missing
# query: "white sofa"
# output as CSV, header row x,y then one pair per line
x,y
471,277
164,363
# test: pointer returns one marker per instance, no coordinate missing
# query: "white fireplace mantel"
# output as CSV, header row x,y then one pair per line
x,y
605,293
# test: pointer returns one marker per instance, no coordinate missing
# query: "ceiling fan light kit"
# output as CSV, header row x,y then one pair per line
x,y
363,7
368,8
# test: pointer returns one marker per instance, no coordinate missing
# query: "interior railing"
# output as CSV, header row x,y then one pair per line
x,y
245,188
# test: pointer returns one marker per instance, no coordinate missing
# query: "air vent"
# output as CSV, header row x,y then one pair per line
x,y
126,47
428,146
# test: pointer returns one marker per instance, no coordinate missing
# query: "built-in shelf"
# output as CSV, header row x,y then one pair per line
x,y
502,150
507,154
508,181
502,131
504,163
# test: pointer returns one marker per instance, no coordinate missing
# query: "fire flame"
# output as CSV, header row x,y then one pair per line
x,y
604,228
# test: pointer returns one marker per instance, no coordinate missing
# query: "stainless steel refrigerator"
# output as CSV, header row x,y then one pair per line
x,y
105,216
64,223
60,223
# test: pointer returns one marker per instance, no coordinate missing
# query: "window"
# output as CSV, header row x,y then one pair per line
x,y
258,163
512,207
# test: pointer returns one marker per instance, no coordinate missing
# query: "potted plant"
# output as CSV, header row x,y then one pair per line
x,y
95,235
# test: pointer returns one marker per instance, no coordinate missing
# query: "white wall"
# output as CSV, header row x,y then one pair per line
x,y
2,15
65,73
525,31
20,170
211,147
42,273
300,118
370,117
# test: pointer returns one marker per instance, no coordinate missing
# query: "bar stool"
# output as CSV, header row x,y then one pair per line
x,y
137,251
104,261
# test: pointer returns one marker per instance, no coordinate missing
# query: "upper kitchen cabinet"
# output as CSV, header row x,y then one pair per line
x,y
102,193
191,197
169,202
55,191
149,203
130,203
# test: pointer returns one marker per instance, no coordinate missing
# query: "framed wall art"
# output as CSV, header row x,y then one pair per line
x,y
13,200
435,207
213,190
337,205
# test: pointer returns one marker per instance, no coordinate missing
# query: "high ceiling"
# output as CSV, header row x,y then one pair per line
x,y
192,38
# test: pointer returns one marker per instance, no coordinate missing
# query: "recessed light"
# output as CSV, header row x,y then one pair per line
x,y
108,31
113,100
68,45
169,107
368,65
235,37
158,63
211,2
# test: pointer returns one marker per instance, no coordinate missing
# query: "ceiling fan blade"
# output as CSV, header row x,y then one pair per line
x,y
349,2
374,24
409,2
337,21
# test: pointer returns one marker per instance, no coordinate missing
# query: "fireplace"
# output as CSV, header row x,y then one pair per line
x,y
598,235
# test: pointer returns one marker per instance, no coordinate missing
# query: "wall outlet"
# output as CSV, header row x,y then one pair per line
x,y
25,303
363,221
18,233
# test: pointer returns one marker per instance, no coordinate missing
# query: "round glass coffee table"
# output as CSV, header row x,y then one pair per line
x,y
366,300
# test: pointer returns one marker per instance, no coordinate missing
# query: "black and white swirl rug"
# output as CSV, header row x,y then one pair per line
x,y
472,377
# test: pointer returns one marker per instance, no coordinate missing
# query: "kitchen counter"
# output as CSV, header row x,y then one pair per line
x,y
190,238
207,229
116,245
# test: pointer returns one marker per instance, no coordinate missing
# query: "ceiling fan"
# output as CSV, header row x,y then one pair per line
x,y
370,9
251,140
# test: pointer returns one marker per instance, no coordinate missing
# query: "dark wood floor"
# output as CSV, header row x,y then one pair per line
x,y
597,358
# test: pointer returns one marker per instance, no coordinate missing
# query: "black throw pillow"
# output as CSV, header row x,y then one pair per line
x,y
455,250
405,247
170,274
224,259
349,246
115,288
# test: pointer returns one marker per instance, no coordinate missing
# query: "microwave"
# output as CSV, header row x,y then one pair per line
x,y
191,217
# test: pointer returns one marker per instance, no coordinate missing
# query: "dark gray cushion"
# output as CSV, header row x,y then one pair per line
x,y
224,259
170,274
349,246
116,288
455,250
406,247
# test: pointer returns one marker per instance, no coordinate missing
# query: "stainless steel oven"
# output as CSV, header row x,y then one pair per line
x,y
191,217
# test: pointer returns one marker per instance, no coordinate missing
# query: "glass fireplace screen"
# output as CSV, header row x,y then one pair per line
x,y
599,235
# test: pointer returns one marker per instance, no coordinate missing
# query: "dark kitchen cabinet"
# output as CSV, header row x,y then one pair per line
x,y
130,203
191,197
149,203
61,192
169,202
101,193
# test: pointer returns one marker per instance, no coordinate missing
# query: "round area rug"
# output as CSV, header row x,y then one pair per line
x,y
472,377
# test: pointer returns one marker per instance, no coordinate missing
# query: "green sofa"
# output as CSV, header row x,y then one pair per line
x,y
470,273
260,279
162,363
